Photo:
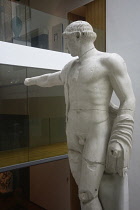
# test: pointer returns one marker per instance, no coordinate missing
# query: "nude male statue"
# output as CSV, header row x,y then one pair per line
x,y
95,145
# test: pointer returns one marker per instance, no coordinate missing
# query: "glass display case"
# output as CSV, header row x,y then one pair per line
x,y
32,119
22,24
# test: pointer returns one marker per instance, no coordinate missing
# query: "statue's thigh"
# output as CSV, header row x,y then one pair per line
x,y
73,139
74,155
97,141
91,175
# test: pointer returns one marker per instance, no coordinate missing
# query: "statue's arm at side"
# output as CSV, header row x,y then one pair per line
x,y
121,84
121,136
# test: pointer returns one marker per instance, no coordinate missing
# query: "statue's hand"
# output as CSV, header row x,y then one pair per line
x,y
29,81
114,159
115,149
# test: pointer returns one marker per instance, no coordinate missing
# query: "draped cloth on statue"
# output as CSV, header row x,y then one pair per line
x,y
114,191
122,131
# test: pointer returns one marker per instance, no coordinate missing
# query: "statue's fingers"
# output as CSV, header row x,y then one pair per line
x,y
111,151
114,153
27,82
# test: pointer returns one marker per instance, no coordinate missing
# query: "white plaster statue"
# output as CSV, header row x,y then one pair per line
x,y
99,136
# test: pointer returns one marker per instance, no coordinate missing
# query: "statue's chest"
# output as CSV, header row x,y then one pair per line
x,y
84,74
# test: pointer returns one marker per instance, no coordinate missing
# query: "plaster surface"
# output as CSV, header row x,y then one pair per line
x,y
99,134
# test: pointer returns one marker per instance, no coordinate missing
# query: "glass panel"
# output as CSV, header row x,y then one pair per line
x,y
45,31
13,20
41,24
32,123
46,119
6,33
21,24
13,116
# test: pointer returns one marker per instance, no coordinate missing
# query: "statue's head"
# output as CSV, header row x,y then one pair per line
x,y
77,33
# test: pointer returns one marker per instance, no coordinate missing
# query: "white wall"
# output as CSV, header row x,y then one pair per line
x,y
123,37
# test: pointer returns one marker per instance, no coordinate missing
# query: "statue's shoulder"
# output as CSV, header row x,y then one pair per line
x,y
113,62
114,59
69,65
111,58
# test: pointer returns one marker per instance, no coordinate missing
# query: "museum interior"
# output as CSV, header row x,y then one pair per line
x,y
34,167
33,148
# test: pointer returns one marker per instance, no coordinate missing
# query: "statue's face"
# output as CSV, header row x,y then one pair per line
x,y
72,45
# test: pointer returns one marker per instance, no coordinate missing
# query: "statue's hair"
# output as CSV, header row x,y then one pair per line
x,y
83,27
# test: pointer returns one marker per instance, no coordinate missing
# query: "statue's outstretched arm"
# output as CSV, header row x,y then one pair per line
x,y
46,80
121,136
49,80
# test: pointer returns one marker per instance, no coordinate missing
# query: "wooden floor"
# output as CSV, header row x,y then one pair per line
x,y
12,157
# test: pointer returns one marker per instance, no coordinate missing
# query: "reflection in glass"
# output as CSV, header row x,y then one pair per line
x,y
13,21
35,24
5,21
21,24
14,128
32,120
46,108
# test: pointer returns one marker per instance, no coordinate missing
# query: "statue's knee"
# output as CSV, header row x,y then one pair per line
x,y
86,197
74,156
